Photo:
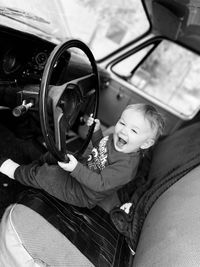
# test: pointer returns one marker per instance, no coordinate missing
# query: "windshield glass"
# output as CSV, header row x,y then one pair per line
x,y
37,17
103,25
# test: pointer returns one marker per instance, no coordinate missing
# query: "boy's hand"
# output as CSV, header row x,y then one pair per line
x,y
91,120
69,166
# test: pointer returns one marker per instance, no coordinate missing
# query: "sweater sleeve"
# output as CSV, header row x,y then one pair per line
x,y
96,137
112,176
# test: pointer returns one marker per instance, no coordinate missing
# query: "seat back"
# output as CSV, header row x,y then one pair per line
x,y
170,234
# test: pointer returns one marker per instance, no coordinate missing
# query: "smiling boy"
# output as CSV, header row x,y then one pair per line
x,y
112,163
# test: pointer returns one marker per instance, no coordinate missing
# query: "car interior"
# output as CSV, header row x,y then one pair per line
x,y
48,90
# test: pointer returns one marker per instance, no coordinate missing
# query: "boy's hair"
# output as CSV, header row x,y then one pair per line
x,y
155,118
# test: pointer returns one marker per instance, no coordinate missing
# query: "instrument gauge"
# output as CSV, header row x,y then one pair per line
x,y
11,62
41,59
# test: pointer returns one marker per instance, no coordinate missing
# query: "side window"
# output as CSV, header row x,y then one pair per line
x,y
170,74
125,67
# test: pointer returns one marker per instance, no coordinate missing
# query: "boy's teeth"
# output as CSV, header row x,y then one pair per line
x,y
122,141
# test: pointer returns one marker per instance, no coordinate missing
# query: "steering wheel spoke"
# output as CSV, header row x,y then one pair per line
x,y
61,128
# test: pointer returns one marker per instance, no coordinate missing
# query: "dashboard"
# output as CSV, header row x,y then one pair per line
x,y
30,65
23,58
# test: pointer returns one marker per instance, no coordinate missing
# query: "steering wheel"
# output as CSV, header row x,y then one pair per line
x,y
64,103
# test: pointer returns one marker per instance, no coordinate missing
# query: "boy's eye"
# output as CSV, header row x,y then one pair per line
x,y
122,123
134,131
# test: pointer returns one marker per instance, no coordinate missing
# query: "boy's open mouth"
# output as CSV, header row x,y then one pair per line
x,y
121,142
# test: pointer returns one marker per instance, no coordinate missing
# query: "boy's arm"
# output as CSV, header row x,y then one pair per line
x,y
97,134
96,137
112,176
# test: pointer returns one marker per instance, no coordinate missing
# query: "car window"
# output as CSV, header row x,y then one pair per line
x,y
42,18
170,74
105,25
127,65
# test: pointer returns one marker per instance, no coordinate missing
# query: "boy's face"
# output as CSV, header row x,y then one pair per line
x,y
132,132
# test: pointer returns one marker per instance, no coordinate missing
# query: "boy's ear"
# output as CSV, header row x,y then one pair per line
x,y
148,143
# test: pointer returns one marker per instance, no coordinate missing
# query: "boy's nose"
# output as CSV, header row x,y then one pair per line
x,y
124,130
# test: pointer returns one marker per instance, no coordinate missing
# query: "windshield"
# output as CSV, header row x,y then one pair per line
x,y
104,25
35,17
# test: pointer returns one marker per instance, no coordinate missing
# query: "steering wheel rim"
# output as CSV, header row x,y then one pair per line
x,y
44,91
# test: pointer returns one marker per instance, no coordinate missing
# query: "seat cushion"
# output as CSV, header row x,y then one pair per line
x,y
28,240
